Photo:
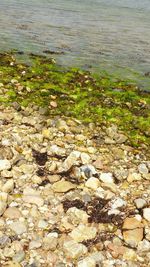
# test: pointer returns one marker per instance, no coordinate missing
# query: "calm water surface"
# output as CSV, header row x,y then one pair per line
x,y
105,34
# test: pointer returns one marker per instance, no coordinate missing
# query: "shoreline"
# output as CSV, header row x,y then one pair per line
x,y
76,93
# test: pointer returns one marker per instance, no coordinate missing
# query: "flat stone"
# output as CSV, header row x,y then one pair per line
x,y
134,177
98,163
32,196
35,244
4,241
3,202
133,237
77,216
140,203
82,233
131,223
63,186
8,186
12,213
85,158
92,183
144,246
19,256
71,160
143,168
50,242
118,203
12,264
146,214
73,249
18,227
87,262
5,164
106,177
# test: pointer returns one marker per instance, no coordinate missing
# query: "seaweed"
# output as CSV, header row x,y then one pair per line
x,y
40,158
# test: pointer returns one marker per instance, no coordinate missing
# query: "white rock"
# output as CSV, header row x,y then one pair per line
x,y
82,232
144,246
34,244
106,177
42,224
87,262
85,158
92,183
118,203
8,186
3,202
71,160
140,203
146,214
32,196
5,164
73,249
143,168
77,216
18,227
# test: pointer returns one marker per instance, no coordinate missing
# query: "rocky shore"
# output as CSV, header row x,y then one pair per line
x,y
71,194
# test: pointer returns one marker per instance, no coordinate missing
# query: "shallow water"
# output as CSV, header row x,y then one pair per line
x,y
102,34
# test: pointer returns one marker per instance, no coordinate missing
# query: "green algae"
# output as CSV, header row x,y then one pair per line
x,y
99,98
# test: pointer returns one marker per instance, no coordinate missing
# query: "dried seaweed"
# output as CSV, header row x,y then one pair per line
x,y
44,182
40,158
41,172
67,204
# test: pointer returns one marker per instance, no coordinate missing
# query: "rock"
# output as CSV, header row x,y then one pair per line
x,y
12,213
5,164
146,214
87,171
130,255
50,241
18,227
106,177
62,125
98,163
143,168
6,174
42,224
82,233
19,256
131,223
87,262
134,177
8,186
118,203
71,160
32,196
144,246
12,264
63,186
133,237
140,203
35,244
4,241
85,158
53,104
73,249
77,216
46,132
92,183
3,202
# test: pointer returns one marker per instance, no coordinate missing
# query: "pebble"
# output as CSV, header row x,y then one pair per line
x,y
146,214
32,196
35,244
92,183
87,262
18,227
77,216
8,186
106,177
71,160
50,241
131,223
83,232
73,249
19,256
87,171
140,203
3,202
143,168
63,186
12,213
4,164
133,237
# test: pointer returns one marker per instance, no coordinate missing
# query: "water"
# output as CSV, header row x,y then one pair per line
x,y
102,34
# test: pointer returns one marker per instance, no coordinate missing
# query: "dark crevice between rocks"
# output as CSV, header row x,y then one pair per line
x,y
101,237
40,158
41,172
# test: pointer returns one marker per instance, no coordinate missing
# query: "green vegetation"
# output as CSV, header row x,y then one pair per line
x,y
78,94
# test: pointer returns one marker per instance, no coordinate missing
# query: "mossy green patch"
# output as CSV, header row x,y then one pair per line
x,y
102,99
